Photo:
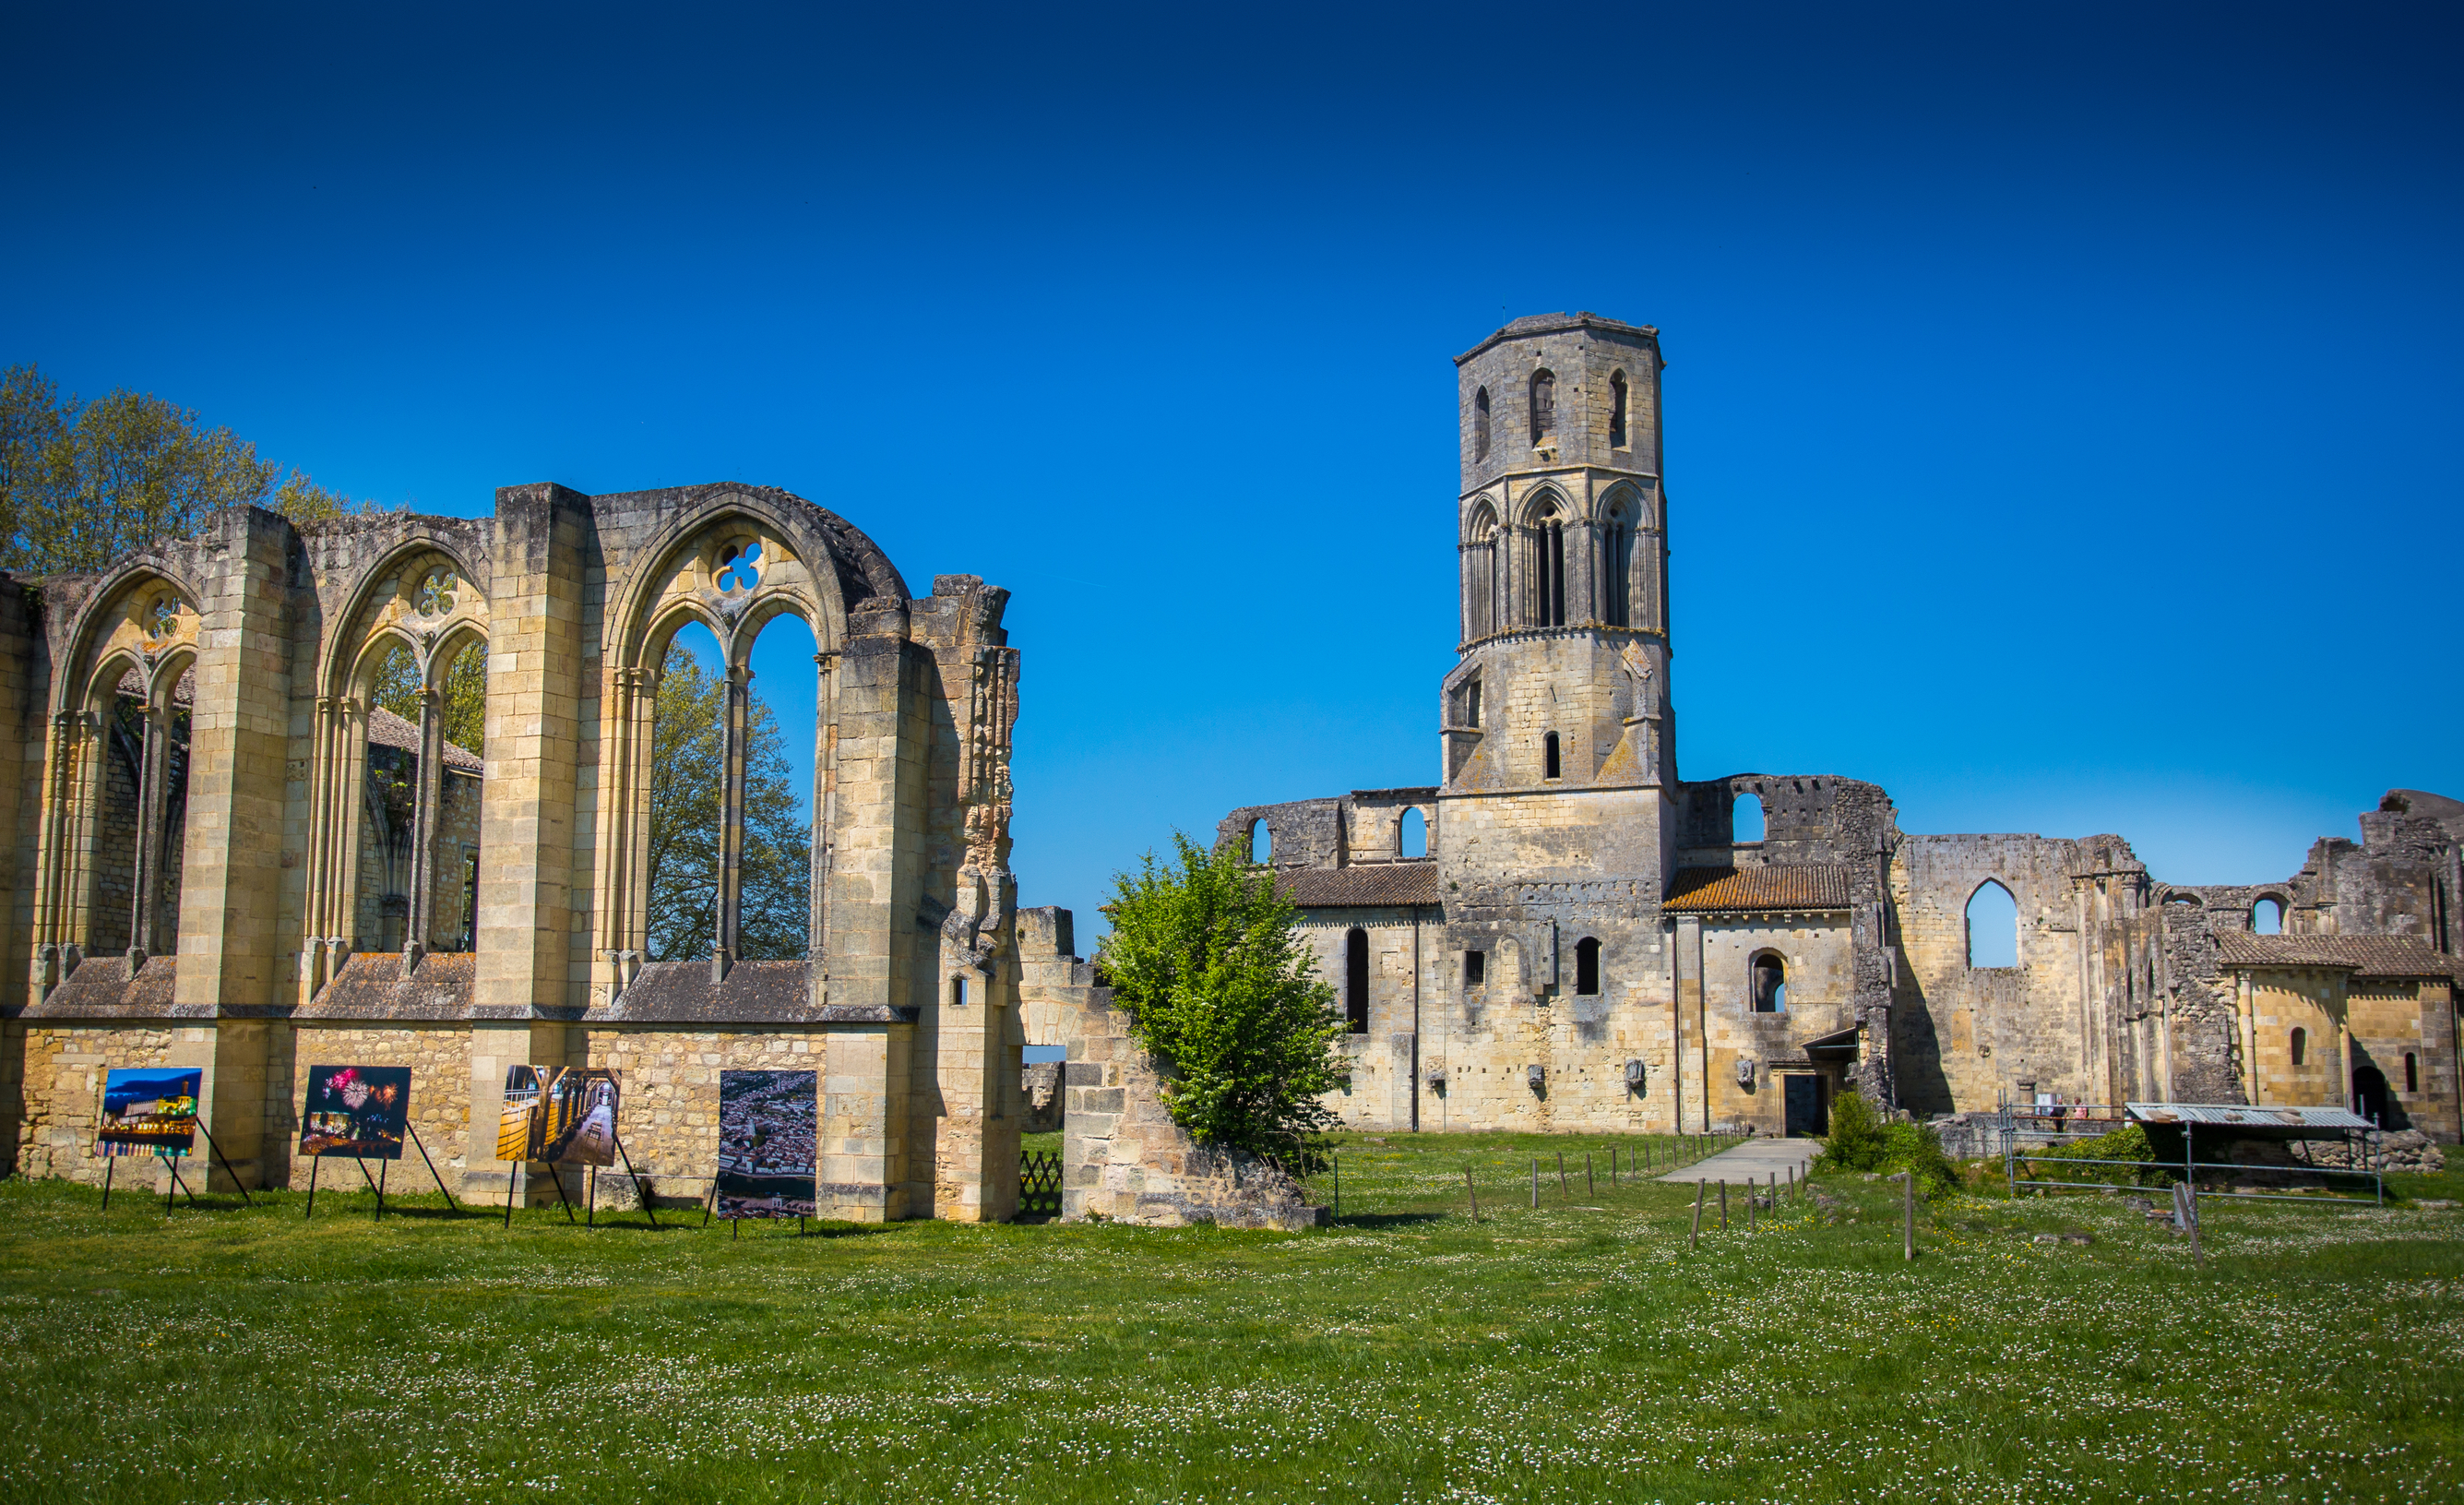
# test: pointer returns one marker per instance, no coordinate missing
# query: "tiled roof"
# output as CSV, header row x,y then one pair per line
x,y
1702,891
1409,882
389,730
2369,956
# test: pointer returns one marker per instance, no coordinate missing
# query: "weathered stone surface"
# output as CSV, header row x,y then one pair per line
x,y
194,724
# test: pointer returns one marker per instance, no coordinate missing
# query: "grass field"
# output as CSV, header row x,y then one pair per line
x,y
1577,1353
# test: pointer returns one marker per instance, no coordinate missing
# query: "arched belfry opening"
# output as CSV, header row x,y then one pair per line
x,y
1547,569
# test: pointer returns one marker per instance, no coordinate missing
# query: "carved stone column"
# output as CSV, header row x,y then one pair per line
x,y
733,724
153,781
423,825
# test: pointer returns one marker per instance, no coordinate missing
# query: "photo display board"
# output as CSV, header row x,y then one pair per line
x,y
767,1143
564,1115
148,1110
355,1111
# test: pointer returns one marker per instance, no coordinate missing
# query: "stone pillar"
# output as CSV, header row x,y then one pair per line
x,y
863,1119
527,804
423,825
153,781
875,901
231,948
734,725
1693,1039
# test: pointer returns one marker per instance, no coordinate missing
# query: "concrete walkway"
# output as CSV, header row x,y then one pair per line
x,y
1755,1160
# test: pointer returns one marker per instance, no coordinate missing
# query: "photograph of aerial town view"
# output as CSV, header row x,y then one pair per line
x,y
355,1111
766,1145
149,1111
563,1114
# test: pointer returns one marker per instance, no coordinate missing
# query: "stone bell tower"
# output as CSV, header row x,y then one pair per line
x,y
1558,736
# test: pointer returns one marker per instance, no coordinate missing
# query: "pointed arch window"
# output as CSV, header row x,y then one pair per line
x,y
1549,568
1481,582
1992,926
1543,406
1480,424
1617,410
1616,566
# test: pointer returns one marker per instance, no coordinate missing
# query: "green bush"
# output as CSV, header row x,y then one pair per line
x,y
1207,959
1861,1141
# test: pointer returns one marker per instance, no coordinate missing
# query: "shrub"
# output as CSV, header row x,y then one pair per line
x,y
1860,1139
1205,957
2130,1142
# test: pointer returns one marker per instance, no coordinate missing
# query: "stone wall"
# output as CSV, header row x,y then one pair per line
x,y
441,1107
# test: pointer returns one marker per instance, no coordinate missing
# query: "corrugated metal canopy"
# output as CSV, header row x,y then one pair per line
x,y
2241,1116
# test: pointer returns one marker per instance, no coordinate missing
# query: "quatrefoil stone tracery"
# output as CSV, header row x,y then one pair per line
x,y
436,593
739,567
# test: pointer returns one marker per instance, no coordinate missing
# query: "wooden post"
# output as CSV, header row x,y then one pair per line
x,y
1472,1193
1724,1204
1908,1214
1536,1182
1591,1189
1697,1240
1564,1192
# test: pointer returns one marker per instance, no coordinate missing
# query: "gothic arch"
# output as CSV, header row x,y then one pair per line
x,y
422,595
142,618
110,618
811,563
380,596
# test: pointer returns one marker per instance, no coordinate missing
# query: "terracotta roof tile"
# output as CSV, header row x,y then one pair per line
x,y
1409,882
2369,956
1814,886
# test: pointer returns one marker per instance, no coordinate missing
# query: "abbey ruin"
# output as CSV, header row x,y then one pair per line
x,y
213,867
1590,942
227,856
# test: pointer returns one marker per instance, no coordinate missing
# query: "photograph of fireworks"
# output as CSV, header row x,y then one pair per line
x,y
148,1110
561,1114
766,1143
355,1111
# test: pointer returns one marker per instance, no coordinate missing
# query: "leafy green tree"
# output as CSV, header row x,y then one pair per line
x,y
1219,984
774,911
82,483
395,686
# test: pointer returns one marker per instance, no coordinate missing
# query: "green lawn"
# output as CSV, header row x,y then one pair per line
x,y
1579,1353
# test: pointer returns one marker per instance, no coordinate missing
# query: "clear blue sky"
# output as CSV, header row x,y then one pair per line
x,y
2061,409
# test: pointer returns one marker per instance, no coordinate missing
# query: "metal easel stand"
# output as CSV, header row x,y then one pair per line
x,y
376,1184
316,1164
228,1168
639,1194
431,1169
110,1163
172,1163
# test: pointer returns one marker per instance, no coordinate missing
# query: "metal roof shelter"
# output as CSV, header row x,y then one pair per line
x,y
2282,1123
